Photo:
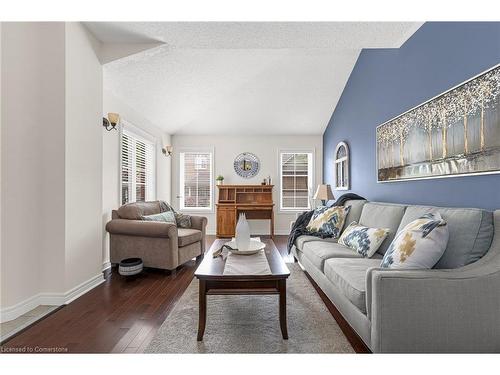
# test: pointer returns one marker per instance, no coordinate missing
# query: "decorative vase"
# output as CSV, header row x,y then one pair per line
x,y
242,235
220,182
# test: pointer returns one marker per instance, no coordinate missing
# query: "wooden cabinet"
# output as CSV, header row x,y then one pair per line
x,y
255,201
226,221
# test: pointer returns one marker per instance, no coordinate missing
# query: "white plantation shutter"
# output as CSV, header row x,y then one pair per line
x,y
196,180
137,168
296,180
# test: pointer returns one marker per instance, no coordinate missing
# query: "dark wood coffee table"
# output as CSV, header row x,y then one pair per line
x,y
214,282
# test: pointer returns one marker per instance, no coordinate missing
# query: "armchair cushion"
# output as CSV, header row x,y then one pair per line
x,y
188,236
135,210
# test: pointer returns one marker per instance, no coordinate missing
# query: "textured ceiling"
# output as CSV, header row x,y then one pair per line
x,y
240,78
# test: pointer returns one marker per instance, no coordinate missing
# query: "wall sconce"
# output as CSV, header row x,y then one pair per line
x,y
167,150
111,122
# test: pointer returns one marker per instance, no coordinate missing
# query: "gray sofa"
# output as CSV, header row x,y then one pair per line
x,y
454,307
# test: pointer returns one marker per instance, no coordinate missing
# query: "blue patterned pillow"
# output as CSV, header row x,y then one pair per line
x,y
166,217
363,240
328,220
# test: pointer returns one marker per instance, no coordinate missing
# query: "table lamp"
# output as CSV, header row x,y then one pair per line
x,y
324,192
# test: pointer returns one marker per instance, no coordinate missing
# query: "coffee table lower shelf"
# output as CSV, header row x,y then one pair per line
x,y
233,287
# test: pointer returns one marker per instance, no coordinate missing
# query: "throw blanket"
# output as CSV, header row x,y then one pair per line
x,y
299,228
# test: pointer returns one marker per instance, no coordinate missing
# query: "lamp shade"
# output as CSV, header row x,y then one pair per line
x,y
324,192
113,118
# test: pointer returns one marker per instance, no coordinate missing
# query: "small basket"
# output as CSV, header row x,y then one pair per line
x,y
130,266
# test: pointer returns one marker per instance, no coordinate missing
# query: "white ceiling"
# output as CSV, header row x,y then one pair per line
x,y
240,78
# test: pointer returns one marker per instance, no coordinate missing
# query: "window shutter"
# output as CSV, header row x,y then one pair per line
x,y
137,168
196,180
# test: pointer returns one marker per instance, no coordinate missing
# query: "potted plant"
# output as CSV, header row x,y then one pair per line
x,y
219,179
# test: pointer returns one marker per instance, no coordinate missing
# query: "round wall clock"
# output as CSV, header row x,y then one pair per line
x,y
246,165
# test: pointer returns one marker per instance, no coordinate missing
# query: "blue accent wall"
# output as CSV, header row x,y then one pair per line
x,y
386,82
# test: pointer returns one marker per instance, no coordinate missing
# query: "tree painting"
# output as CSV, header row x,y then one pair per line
x,y
402,129
426,117
485,91
455,133
467,105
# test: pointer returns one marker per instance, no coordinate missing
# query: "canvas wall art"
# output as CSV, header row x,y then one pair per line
x,y
456,133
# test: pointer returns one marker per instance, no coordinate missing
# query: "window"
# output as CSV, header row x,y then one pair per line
x,y
137,168
296,180
342,166
196,180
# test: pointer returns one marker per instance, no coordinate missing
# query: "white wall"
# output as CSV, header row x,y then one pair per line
x,y
1,264
32,139
226,148
111,161
51,165
83,162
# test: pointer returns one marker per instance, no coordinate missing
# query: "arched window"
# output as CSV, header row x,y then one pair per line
x,y
342,166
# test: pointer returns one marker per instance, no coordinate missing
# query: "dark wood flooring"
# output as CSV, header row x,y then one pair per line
x,y
123,315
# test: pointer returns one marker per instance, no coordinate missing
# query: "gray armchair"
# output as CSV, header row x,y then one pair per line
x,y
160,245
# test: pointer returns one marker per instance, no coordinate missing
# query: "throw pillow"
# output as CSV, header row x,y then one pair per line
x,y
164,206
166,217
183,221
419,245
363,240
328,220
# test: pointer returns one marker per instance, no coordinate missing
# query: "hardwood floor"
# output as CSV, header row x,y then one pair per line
x,y
121,315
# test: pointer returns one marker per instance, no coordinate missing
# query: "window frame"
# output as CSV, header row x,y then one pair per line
x,y
141,135
341,161
311,179
180,195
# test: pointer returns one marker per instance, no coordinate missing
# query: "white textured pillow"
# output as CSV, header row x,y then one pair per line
x,y
363,240
419,245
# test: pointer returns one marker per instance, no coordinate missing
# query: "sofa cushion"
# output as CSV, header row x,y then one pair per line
x,y
471,232
301,240
188,236
355,210
319,251
135,211
349,276
383,215
328,220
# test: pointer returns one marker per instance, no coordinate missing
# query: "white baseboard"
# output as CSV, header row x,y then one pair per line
x,y
21,308
106,266
53,299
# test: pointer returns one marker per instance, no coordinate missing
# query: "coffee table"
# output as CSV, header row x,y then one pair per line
x,y
210,274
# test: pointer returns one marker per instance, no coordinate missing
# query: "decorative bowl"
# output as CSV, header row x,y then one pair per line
x,y
254,247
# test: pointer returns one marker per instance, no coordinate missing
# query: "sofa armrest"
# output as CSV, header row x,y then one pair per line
x,y
434,310
142,228
200,223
